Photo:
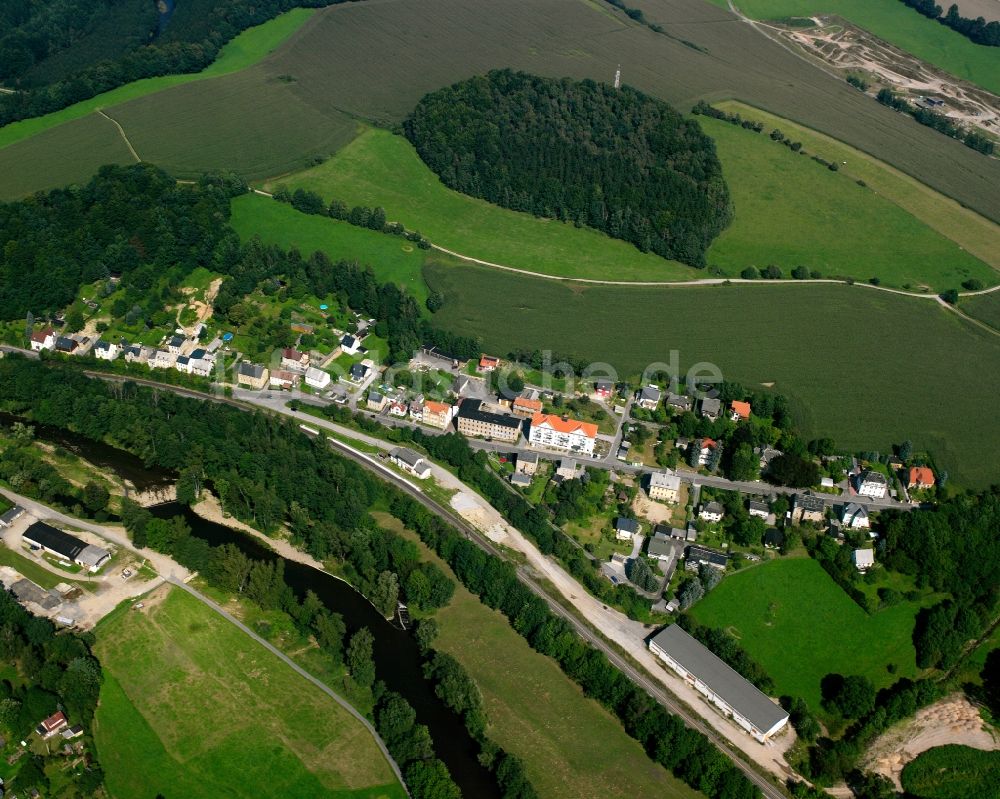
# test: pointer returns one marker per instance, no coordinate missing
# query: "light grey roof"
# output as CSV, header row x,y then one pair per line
x,y
8,518
407,456
253,370
650,393
665,480
631,525
520,479
713,507
737,692
92,556
678,400
527,457
660,546
567,463
711,405
753,504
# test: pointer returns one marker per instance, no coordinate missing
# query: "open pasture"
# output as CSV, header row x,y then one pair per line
x,y
866,367
793,619
191,706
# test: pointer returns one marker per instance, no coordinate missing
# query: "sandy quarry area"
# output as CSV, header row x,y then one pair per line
x,y
952,720
850,49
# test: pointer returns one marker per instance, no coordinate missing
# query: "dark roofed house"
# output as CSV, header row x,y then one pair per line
x,y
49,539
696,555
808,508
358,372
626,528
8,518
774,538
474,421
65,344
679,402
662,547
734,695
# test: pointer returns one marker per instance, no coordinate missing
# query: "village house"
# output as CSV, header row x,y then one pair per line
x,y
731,693
711,512
106,350
9,517
283,379
437,414
855,516
774,538
487,363
293,359
376,401
662,547
679,402
410,461
475,422
43,340
863,559
757,508
252,375
603,389
202,367
648,397
567,469
359,372
175,345
626,528
181,364
461,385
527,462
138,353
696,556
416,410
766,455
52,725
706,446
317,378
397,408
563,433
350,344
664,486
162,359
520,479
711,408
920,477
807,508
739,410
872,484
66,345
47,538
676,533
524,406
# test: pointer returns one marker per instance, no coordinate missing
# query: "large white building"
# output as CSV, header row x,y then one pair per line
x,y
873,484
557,432
317,378
731,693
664,486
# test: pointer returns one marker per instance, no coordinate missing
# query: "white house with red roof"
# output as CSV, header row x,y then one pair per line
x,y
43,340
52,725
563,433
920,477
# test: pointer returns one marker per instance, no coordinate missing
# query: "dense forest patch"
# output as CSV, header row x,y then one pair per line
x,y
953,772
611,159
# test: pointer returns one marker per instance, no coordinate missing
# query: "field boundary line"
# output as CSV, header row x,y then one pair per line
x,y
121,131
297,669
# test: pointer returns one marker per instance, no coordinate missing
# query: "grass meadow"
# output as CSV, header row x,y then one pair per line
x,y
791,210
792,618
192,707
895,23
953,772
242,51
866,367
572,747
393,259
985,308
379,168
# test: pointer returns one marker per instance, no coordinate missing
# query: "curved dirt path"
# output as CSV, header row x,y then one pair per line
x,y
121,131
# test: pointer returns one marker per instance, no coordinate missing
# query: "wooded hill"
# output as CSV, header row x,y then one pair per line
x,y
615,160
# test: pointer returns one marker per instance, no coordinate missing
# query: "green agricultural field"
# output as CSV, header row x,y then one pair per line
x,y
793,211
844,355
244,50
953,772
972,232
381,169
571,746
895,23
192,707
393,259
799,625
985,308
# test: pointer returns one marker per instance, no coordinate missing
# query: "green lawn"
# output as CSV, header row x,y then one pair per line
x,y
799,625
973,233
985,307
847,357
192,707
793,211
953,772
379,168
244,50
898,25
393,259
571,746
35,572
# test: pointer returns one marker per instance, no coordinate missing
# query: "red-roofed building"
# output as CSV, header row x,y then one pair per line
x,y
488,363
43,340
560,432
52,725
437,414
293,359
920,477
740,410
705,449
522,406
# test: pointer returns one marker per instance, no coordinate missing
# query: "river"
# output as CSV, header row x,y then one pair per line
x,y
398,662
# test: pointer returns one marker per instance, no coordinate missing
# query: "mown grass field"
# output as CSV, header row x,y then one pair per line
x,y
192,707
393,259
793,211
379,168
792,618
895,23
985,308
953,772
866,367
571,746
975,234
244,50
